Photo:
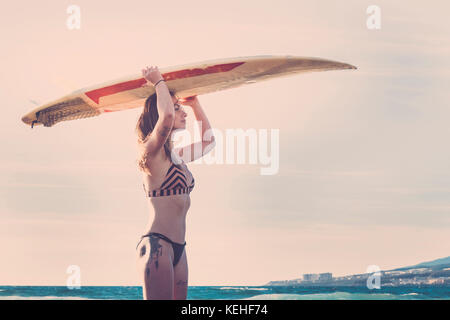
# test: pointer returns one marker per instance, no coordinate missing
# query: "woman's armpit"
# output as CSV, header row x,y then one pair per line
x,y
142,162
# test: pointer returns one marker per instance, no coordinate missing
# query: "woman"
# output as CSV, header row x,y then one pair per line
x,y
167,184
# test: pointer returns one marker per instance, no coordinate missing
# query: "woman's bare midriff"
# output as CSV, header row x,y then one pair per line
x,y
168,216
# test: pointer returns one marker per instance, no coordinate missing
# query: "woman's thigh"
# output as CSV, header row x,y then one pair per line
x,y
181,278
156,257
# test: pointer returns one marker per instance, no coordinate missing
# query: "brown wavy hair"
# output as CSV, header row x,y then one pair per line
x,y
145,125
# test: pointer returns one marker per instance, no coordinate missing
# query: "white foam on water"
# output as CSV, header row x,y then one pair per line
x,y
326,296
242,288
43,298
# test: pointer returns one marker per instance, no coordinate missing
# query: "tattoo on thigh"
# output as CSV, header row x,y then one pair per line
x,y
143,250
155,250
182,283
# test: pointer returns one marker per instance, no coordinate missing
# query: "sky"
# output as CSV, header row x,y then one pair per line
x,y
364,175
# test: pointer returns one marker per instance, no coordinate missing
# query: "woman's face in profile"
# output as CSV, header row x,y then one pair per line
x,y
180,115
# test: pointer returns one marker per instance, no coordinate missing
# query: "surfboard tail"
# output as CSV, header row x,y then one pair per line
x,y
72,109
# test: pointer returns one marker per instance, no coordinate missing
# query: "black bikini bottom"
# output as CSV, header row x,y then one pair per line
x,y
177,247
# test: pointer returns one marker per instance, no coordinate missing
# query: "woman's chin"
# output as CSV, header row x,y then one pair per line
x,y
182,127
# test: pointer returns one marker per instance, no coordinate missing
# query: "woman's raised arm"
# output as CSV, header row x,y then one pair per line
x,y
166,111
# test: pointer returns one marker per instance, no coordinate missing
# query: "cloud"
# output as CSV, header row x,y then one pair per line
x,y
40,193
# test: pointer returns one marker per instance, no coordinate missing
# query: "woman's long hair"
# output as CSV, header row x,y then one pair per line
x,y
145,125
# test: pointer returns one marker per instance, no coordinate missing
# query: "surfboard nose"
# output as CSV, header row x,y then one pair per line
x,y
343,65
349,66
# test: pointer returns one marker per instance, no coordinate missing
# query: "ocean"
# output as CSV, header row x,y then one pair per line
x,y
230,293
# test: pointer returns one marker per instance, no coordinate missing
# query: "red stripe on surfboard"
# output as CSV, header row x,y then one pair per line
x,y
199,72
96,94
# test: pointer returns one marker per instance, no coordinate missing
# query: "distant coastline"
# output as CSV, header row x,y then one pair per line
x,y
432,273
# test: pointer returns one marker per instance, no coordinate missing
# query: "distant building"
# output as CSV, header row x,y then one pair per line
x,y
325,276
318,276
310,277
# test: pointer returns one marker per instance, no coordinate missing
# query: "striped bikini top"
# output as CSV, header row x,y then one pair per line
x,y
174,183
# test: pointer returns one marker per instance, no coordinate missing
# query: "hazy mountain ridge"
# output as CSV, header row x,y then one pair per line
x,y
428,264
435,272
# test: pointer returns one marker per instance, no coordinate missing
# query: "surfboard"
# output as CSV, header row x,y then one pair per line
x,y
185,80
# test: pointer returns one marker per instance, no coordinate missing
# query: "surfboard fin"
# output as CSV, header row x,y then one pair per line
x,y
34,102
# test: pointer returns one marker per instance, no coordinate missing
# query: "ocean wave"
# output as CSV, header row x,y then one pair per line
x,y
42,298
242,288
327,296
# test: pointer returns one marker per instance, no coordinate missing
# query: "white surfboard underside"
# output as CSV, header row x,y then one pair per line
x,y
185,80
